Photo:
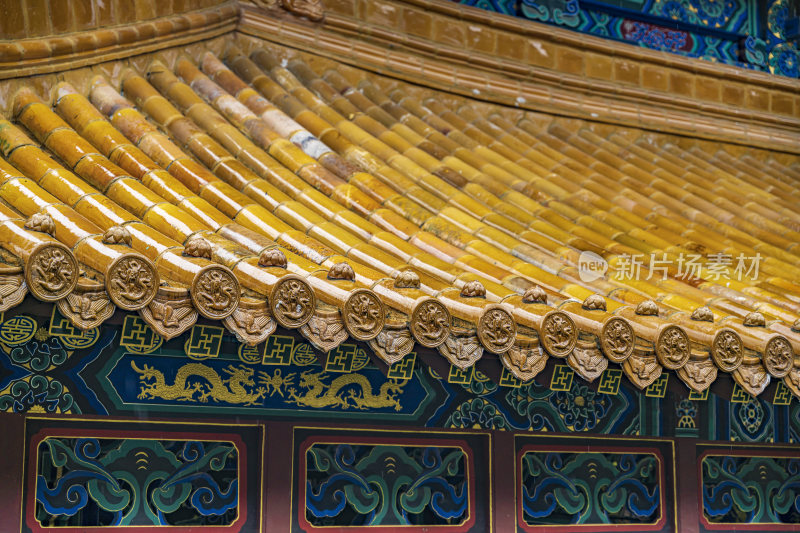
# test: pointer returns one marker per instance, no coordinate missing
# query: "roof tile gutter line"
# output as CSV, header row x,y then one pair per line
x,y
338,292
215,290
246,264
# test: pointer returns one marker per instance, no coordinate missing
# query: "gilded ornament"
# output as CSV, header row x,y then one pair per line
x,y
535,295
321,394
325,329
342,271
497,329
272,258
235,389
18,330
198,246
215,292
617,339
727,350
41,222
131,282
462,348
117,235
752,376
364,314
796,326
672,347
314,10
473,289
754,320
170,313
251,321
393,343
51,272
698,373
525,359
88,305
559,334
430,323
407,279
642,368
12,287
703,314
647,308
778,357
792,380
594,302
587,360
292,301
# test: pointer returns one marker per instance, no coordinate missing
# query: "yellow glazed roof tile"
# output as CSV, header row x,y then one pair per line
x,y
263,192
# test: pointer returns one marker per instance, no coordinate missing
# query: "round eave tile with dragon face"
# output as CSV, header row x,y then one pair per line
x,y
292,301
497,329
778,357
430,323
727,350
558,334
617,339
672,347
51,272
131,282
215,292
364,315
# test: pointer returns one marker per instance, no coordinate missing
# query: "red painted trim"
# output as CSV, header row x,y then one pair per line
x,y
503,488
685,486
657,526
394,441
37,439
729,452
12,444
278,481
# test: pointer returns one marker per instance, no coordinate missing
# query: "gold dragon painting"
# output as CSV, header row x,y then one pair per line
x,y
240,385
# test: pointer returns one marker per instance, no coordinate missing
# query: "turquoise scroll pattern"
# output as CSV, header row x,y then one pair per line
x,y
97,482
749,489
386,485
590,488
